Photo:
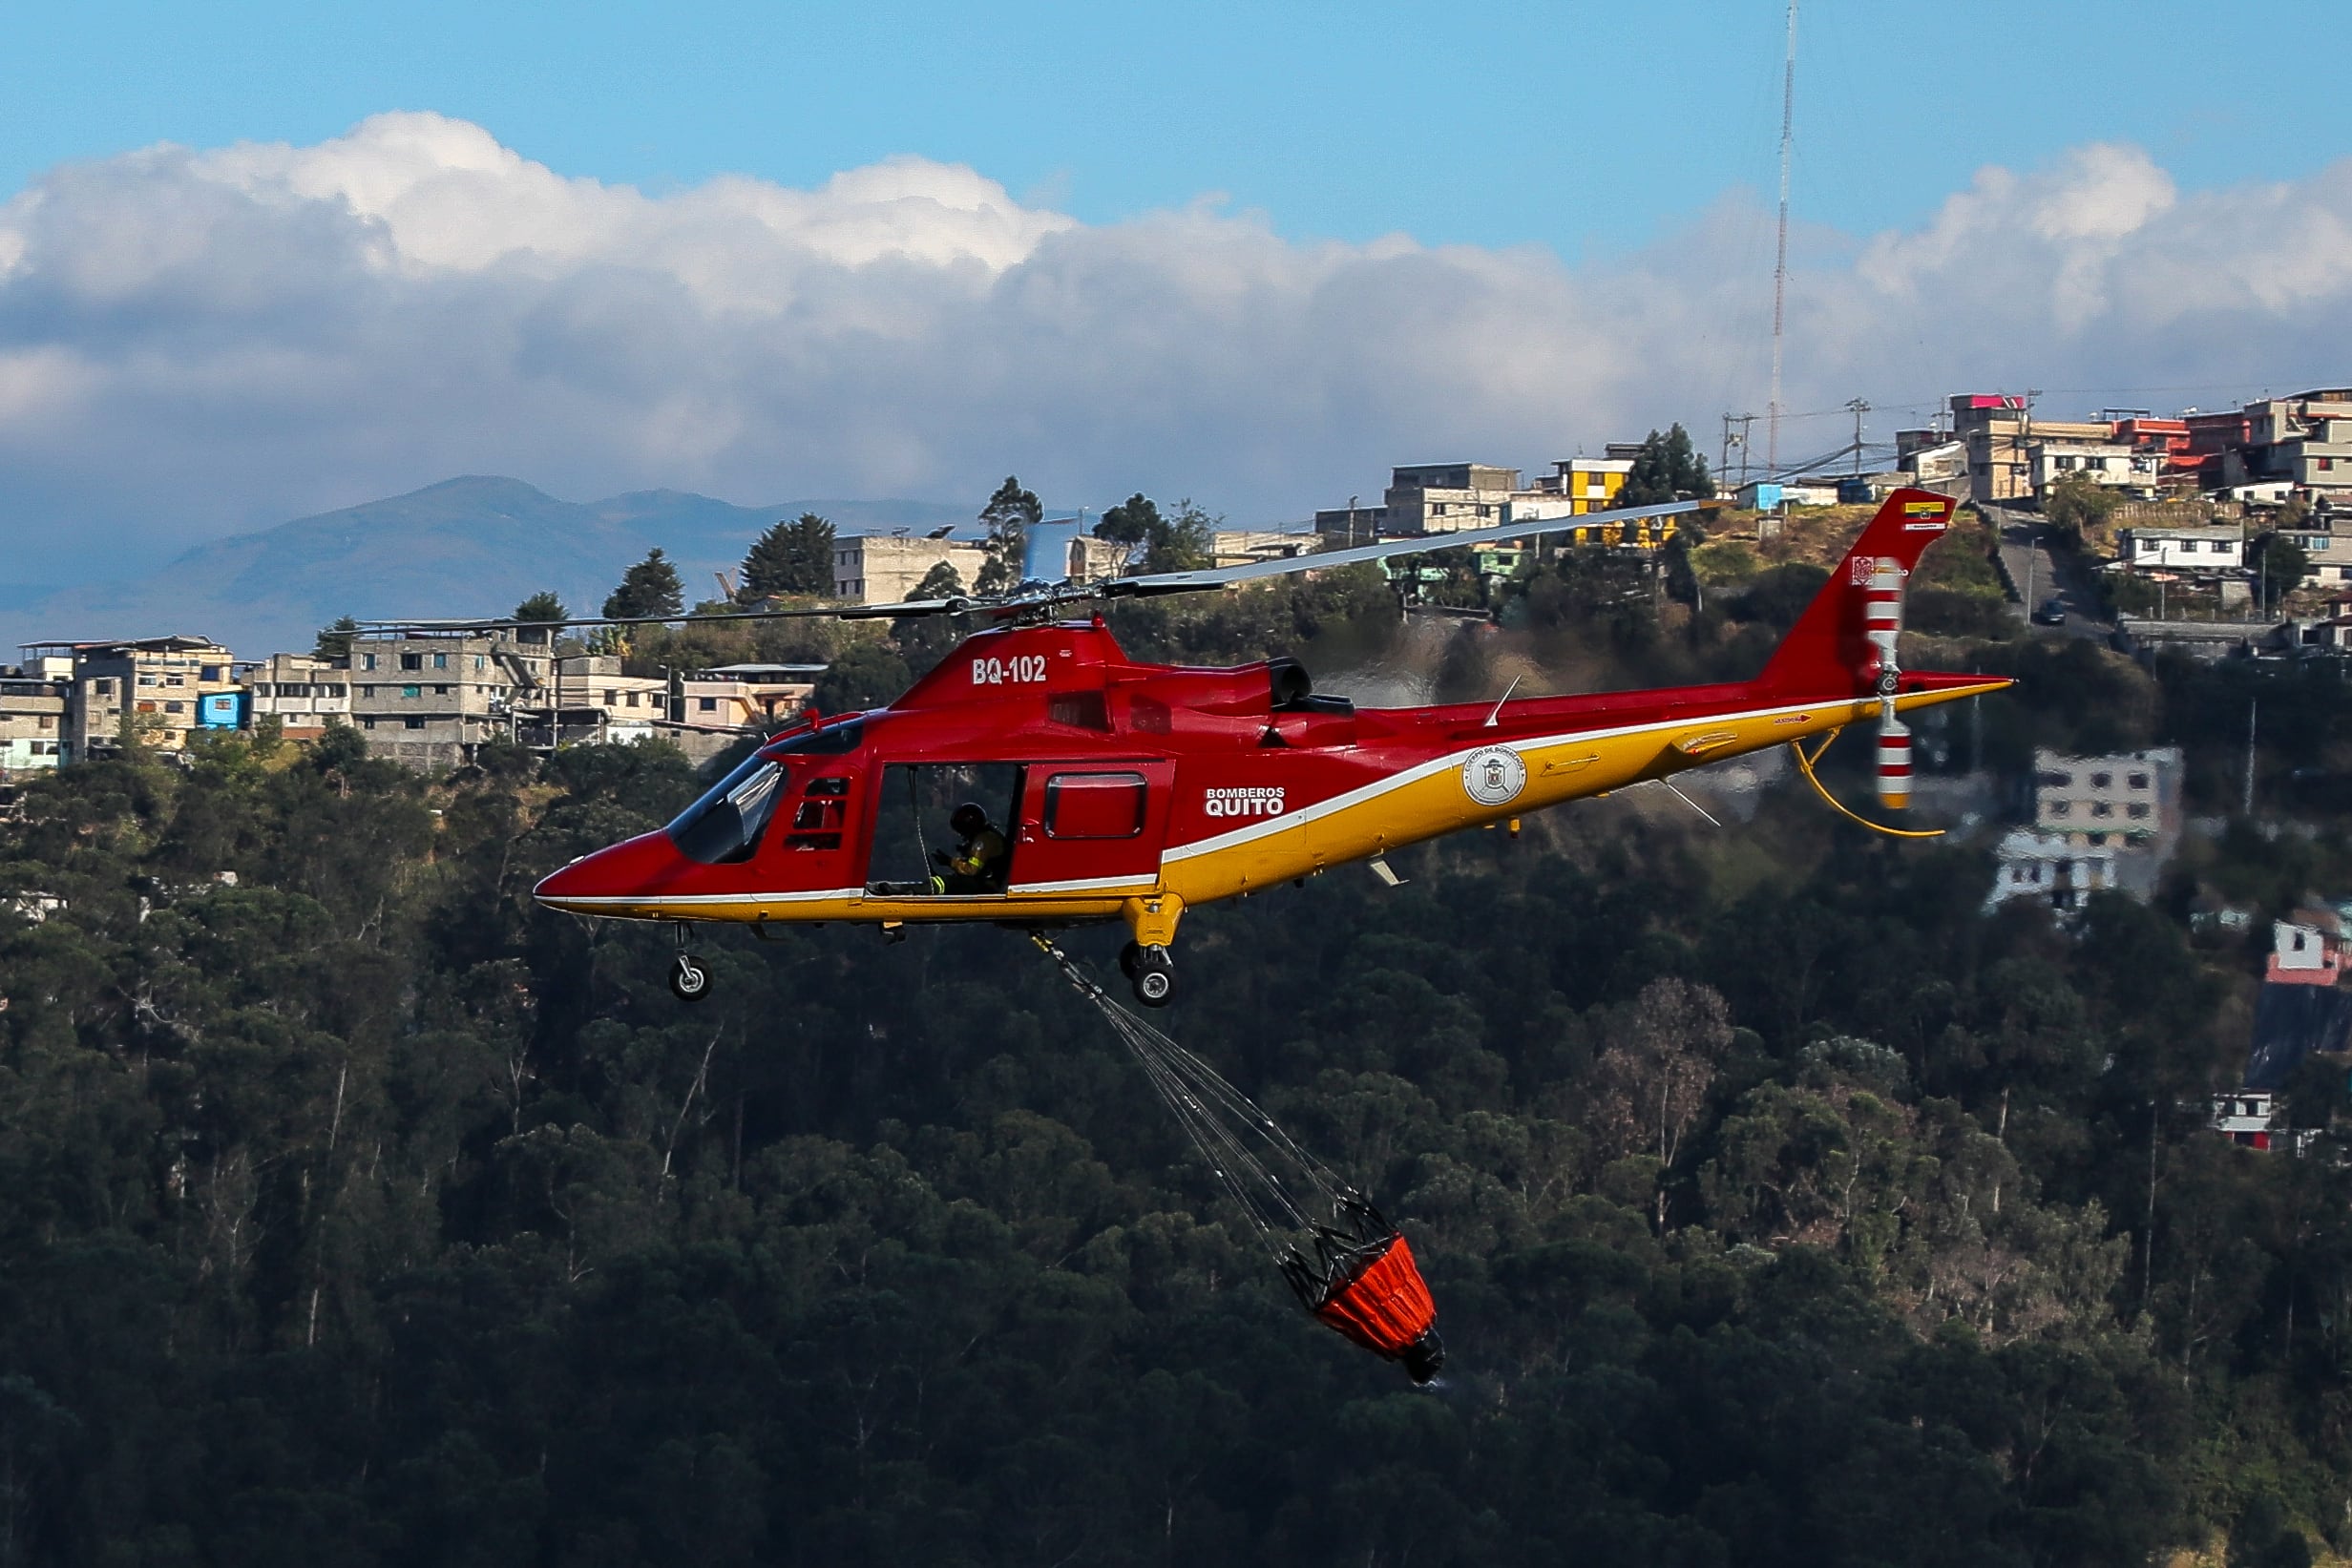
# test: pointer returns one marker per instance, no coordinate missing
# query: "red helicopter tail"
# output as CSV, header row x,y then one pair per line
x,y
1845,640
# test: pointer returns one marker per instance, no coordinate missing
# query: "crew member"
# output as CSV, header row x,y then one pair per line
x,y
978,863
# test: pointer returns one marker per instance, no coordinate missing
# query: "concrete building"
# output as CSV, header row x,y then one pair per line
x,y
2099,823
886,568
2301,443
2202,551
36,702
430,699
2132,799
1448,497
2306,952
1933,462
155,686
302,694
1587,483
1770,495
1999,433
1243,545
2109,462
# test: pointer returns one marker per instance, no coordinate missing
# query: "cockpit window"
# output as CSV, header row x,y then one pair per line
x,y
724,826
832,741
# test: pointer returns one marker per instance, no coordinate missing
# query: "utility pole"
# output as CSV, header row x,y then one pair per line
x,y
1857,407
2022,459
2254,710
1780,261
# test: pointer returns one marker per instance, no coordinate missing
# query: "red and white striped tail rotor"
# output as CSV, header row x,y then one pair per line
x,y
1882,626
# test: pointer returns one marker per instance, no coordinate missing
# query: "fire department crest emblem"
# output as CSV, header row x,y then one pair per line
x,y
1494,777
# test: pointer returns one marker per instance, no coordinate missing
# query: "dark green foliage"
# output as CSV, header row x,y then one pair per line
x,y
1667,469
543,605
1008,516
865,675
2280,564
791,557
1183,543
1132,521
1782,1206
335,642
649,588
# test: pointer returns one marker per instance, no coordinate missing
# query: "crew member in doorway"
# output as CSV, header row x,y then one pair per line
x,y
978,863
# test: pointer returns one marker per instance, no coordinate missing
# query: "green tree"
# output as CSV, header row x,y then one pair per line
x,y
2078,504
2279,565
1008,516
649,588
1667,469
1133,521
1186,542
543,605
791,557
865,675
334,640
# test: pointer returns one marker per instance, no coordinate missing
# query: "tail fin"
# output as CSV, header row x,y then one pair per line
x,y
1829,651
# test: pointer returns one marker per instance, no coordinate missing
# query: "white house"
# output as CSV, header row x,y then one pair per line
x,y
2205,550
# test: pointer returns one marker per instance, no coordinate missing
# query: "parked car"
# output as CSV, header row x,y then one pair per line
x,y
2053,612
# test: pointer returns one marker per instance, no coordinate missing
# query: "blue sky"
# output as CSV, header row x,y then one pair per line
x,y
1570,125
259,261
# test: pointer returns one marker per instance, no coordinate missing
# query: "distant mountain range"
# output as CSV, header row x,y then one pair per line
x,y
464,547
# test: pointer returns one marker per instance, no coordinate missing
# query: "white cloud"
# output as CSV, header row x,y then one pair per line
x,y
193,343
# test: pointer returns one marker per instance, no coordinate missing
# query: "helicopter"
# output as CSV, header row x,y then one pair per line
x,y
1136,792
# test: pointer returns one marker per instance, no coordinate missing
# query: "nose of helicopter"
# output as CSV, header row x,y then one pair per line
x,y
623,879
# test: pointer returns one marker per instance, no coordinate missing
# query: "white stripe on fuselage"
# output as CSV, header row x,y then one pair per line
x,y
1267,825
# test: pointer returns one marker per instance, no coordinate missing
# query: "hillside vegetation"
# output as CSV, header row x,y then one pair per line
x,y
1782,1206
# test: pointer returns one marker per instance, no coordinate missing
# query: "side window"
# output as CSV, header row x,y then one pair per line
x,y
1093,805
822,815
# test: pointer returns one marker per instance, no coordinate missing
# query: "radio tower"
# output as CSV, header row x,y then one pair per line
x,y
1780,259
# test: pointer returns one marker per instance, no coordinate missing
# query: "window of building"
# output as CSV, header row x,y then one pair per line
x,y
440,691
2061,808
413,724
479,662
709,704
2100,781
612,697
440,661
2137,780
175,707
412,691
411,661
2138,809
367,662
104,688
2100,809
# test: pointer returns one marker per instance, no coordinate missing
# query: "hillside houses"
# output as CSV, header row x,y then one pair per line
x,y
423,699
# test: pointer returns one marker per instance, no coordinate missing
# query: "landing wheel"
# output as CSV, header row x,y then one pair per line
x,y
1128,958
689,980
1154,976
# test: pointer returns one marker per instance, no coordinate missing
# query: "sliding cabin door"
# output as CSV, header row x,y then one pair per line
x,y
1091,828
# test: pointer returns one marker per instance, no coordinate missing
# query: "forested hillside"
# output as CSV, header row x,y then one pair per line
x,y
1782,1208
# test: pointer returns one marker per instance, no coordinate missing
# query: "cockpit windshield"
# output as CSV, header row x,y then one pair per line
x,y
724,828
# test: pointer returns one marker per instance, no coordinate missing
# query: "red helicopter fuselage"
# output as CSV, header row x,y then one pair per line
x,y
1140,790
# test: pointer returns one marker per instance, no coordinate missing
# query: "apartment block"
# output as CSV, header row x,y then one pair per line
x,y
1448,497
302,694
886,568
155,687
36,702
428,700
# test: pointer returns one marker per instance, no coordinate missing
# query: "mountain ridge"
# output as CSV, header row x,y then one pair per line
x,y
472,545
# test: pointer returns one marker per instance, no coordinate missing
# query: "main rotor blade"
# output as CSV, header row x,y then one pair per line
x,y
1183,582
835,612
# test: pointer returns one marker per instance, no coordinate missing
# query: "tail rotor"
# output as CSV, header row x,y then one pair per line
x,y
1883,630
